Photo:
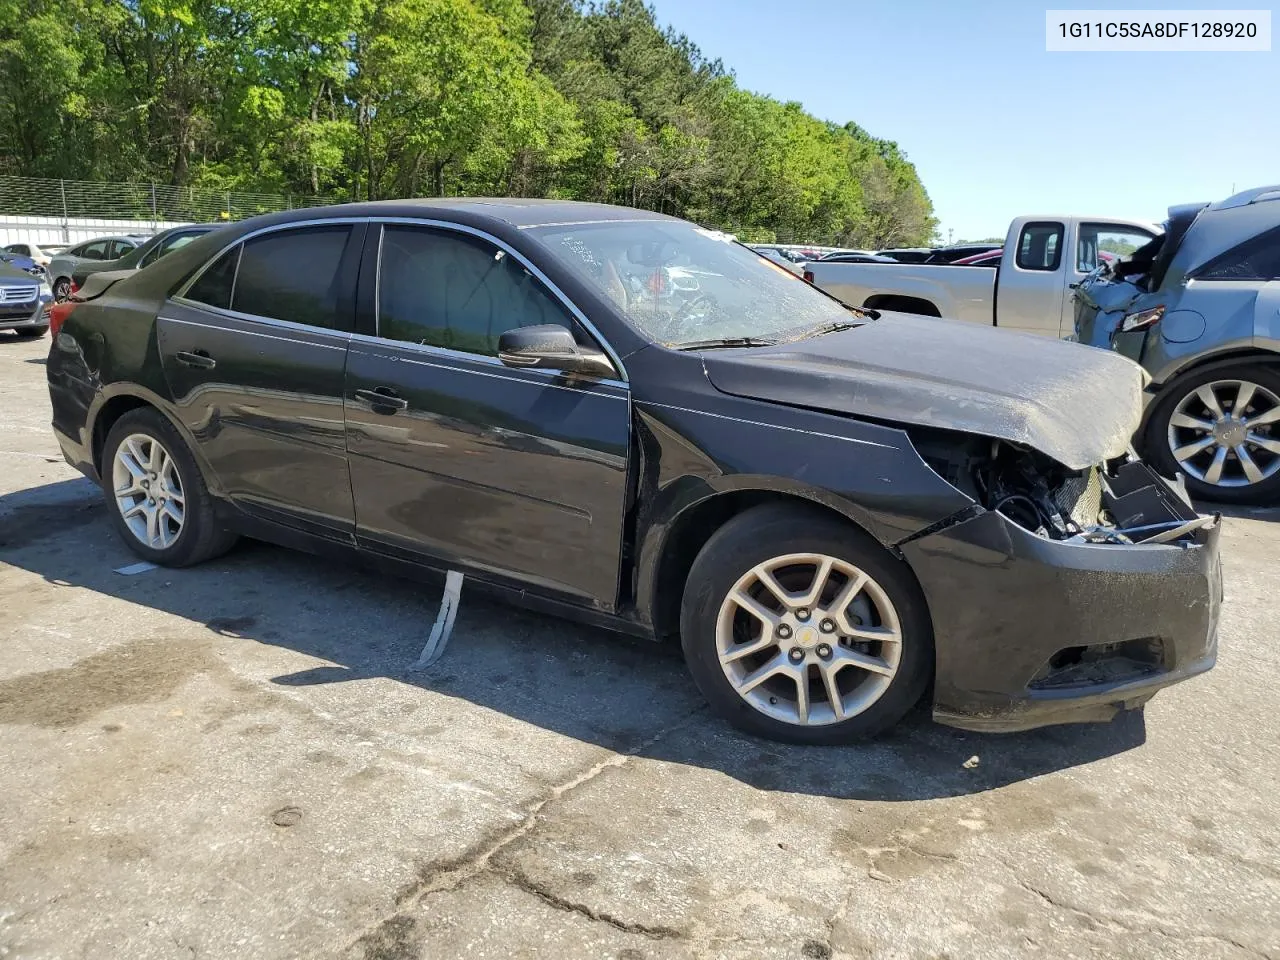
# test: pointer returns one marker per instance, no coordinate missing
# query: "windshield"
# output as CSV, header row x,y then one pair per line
x,y
682,284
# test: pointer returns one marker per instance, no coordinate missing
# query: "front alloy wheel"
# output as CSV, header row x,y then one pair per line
x,y
798,626
1221,430
808,639
148,491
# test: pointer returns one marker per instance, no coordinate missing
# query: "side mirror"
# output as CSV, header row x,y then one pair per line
x,y
552,347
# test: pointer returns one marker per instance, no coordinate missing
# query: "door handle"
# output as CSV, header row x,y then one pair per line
x,y
196,358
1072,286
383,399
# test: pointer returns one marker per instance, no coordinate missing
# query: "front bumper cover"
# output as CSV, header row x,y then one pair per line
x,y
1005,601
11,319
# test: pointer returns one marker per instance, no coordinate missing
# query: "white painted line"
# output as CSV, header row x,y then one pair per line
x,y
135,568
443,629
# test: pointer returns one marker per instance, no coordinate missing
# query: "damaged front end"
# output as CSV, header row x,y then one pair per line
x,y
1121,502
1061,595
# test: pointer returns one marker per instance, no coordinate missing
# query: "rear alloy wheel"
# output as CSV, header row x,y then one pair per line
x,y
159,502
1222,432
61,289
801,628
148,491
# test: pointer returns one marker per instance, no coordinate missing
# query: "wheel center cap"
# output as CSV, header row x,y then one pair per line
x,y
807,637
1229,433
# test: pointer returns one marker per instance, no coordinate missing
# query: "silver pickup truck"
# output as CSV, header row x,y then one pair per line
x,y
1028,288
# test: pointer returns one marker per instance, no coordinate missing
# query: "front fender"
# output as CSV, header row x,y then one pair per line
x,y
867,473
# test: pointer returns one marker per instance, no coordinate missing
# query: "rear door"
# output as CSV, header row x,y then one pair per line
x,y
254,352
514,474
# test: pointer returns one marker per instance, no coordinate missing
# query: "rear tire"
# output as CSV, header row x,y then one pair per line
x,y
1182,404
838,635
158,499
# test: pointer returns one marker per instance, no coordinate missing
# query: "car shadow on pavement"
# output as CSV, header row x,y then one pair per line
x,y
627,695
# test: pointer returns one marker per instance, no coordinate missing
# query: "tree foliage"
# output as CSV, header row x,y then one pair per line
x,y
384,98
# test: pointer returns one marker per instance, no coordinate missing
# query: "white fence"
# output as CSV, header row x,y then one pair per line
x,y
73,230
34,210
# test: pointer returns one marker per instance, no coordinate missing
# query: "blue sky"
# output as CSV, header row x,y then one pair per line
x,y
996,126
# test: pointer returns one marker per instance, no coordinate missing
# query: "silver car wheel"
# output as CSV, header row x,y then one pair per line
x,y
1220,433
148,491
808,639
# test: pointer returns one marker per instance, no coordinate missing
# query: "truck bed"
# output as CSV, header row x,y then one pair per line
x,y
933,289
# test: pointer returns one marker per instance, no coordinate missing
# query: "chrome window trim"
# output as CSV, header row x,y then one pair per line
x,y
524,261
274,228
181,294
283,325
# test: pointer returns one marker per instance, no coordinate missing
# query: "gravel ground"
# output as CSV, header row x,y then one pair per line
x,y
236,761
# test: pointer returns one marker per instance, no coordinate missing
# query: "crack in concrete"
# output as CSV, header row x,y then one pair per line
x,y
1101,921
450,874
519,880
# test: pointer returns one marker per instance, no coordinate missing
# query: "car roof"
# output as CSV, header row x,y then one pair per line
x,y
514,211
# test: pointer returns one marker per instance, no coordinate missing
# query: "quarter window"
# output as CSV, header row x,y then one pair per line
x,y
214,286
1256,259
294,275
1040,246
456,291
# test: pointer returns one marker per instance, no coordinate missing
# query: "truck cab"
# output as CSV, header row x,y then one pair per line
x,y
1046,258
1029,288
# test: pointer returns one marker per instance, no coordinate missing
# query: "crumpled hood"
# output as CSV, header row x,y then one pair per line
x,y
1076,404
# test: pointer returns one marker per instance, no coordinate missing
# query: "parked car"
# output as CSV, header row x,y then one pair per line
x,y
1198,307
23,298
25,264
41,253
64,264
842,256
907,254
833,512
1043,261
145,253
961,251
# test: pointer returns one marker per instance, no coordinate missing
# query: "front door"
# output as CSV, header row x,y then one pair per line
x,y
254,355
518,475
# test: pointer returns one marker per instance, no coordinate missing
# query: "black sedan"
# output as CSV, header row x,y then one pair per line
x,y
639,423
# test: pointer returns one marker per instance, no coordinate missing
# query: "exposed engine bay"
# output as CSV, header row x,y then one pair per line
x,y
1120,502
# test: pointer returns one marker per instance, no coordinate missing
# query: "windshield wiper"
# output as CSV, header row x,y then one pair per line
x,y
837,326
714,342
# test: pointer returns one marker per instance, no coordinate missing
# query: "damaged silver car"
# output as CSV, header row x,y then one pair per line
x,y
1199,308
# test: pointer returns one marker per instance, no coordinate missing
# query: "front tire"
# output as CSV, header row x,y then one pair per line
x,y
33,333
1220,429
799,627
158,500
61,288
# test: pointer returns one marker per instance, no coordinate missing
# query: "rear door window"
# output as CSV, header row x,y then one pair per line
x,y
1040,246
1256,259
94,251
294,275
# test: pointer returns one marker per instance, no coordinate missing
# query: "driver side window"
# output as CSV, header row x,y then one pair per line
x,y
452,290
